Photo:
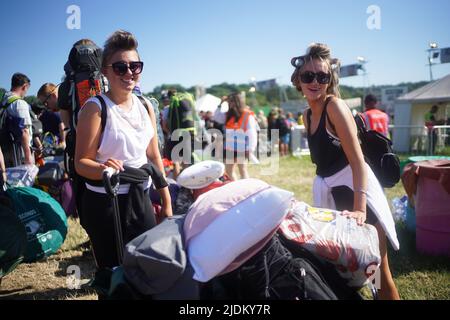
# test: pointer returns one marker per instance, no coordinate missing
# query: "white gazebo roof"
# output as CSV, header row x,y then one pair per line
x,y
437,91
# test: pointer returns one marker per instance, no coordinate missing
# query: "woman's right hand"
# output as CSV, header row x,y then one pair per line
x,y
113,163
359,216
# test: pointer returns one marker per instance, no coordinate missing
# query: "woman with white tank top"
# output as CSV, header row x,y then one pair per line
x,y
127,139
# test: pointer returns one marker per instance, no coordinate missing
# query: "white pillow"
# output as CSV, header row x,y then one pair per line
x,y
236,230
215,202
201,174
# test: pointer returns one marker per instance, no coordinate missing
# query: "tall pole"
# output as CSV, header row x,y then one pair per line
x,y
430,64
363,62
433,47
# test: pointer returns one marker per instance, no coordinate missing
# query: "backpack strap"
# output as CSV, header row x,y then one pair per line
x,y
104,112
144,102
328,118
308,120
10,101
360,125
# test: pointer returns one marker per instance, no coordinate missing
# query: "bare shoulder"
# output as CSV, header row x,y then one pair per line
x,y
337,107
89,109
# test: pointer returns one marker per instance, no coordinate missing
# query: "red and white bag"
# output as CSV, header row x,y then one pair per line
x,y
353,249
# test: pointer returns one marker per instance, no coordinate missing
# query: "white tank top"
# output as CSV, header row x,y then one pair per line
x,y
127,134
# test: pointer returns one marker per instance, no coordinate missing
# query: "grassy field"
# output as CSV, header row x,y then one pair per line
x,y
417,276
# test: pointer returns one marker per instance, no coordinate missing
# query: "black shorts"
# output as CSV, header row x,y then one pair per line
x,y
343,198
98,215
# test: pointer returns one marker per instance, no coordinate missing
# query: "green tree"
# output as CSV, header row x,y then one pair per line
x,y
156,93
32,100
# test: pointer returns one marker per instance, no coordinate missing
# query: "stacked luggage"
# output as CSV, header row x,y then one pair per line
x,y
232,243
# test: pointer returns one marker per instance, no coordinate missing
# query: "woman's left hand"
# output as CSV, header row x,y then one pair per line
x,y
359,216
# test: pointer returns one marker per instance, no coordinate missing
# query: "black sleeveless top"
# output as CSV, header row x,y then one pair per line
x,y
326,150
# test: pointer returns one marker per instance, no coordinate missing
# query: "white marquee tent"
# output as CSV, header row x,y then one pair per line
x,y
410,110
208,102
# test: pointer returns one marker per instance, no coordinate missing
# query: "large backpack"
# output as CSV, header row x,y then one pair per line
x,y
83,81
182,113
11,132
9,141
379,155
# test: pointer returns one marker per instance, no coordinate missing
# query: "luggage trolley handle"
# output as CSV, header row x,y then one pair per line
x,y
110,174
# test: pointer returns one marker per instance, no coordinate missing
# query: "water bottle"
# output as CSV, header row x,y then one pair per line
x,y
399,208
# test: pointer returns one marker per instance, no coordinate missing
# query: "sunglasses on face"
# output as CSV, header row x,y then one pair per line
x,y
321,77
120,68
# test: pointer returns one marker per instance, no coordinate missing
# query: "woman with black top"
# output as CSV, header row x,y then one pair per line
x,y
344,180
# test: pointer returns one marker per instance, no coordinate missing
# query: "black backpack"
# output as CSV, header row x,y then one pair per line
x,y
378,153
36,125
275,273
11,132
7,138
83,80
85,76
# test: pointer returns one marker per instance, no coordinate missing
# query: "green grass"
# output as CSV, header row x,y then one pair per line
x,y
417,276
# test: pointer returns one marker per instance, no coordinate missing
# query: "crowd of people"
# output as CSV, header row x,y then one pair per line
x,y
125,138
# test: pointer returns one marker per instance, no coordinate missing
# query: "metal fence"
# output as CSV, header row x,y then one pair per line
x,y
412,139
421,140
299,141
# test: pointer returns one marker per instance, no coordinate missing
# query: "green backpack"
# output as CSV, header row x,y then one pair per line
x,y
13,240
182,113
44,219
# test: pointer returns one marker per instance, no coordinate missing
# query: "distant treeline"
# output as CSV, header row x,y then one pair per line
x,y
271,97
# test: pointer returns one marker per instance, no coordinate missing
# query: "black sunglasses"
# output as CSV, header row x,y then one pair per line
x,y
321,77
120,68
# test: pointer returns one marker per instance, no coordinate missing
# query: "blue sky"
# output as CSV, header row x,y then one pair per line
x,y
207,42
